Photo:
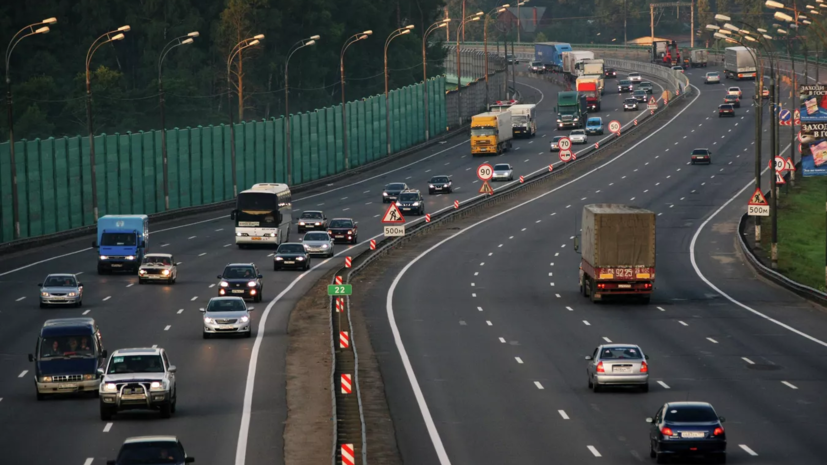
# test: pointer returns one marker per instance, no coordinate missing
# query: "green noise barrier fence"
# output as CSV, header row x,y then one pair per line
x,y
54,175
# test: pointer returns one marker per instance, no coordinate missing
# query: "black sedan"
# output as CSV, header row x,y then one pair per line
x,y
610,73
392,191
343,230
726,109
241,280
440,184
625,85
701,156
291,255
687,429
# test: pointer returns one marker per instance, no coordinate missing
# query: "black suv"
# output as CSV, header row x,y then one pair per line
x,y
241,280
625,85
440,184
411,201
610,73
392,191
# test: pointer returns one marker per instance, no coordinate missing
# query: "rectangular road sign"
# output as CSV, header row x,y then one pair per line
x,y
340,289
394,231
758,210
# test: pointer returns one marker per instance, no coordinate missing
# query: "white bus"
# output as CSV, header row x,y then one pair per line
x,y
263,215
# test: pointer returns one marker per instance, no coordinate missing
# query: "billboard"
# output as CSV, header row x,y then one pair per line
x,y
813,135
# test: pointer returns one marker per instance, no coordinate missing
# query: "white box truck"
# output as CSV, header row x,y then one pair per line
x,y
524,120
590,67
739,63
698,58
570,59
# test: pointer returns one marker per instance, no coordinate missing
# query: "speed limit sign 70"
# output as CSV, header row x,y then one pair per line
x,y
564,144
485,172
614,127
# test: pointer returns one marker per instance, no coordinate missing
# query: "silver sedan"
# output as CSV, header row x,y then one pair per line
x,y
503,172
318,243
578,136
227,315
618,365
61,289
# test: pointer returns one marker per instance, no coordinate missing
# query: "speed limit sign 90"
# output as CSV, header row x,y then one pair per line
x,y
614,127
485,172
780,163
564,143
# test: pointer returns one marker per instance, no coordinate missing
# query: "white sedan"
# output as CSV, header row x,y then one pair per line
x,y
711,77
578,136
734,91
503,172
634,77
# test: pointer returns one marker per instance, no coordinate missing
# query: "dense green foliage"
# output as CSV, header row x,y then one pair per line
x,y
48,74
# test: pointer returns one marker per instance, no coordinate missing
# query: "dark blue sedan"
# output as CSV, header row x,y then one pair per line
x,y
687,429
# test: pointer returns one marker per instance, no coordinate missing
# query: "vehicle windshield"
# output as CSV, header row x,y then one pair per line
x,y
483,132
157,261
634,74
734,89
395,187
631,101
408,197
556,139
700,152
690,414
67,346
341,224
620,353
439,179
712,74
135,364
625,82
645,84
593,122
317,236
257,202
536,63
578,132
501,167
640,92
60,281
519,119
117,239
731,97
312,215
142,453
726,107
291,248
239,272
226,305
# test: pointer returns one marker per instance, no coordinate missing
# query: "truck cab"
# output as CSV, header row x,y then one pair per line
x,y
491,133
122,242
571,110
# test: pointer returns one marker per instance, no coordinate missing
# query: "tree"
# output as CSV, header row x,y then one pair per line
x,y
705,17
238,22
540,37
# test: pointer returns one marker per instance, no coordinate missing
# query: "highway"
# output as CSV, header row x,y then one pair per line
x,y
498,349
231,402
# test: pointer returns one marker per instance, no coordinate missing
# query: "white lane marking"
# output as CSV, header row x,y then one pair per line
x,y
539,386
167,327
227,245
586,323
711,340
130,284
499,246
661,309
376,216
318,204
193,299
550,273
345,209
789,385
86,312
748,450
488,322
524,229
483,263
164,245
681,322
368,203
502,339
472,284
476,273
538,221
88,461
202,254
211,285
552,284
748,360
366,192
23,373
594,451
631,199
107,298
427,171
557,295
192,237
107,427
584,198
79,273
479,308
473,294
490,253
519,360
180,311
219,229
607,339
665,386
569,309
21,298
563,414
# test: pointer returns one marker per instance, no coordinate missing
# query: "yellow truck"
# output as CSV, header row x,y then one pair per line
x,y
491,133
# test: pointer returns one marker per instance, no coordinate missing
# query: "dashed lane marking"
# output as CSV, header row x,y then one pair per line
x,y
180,311
789,385
86,312
748,360
594,451
586,323
23,373
107,427
607,339
519,360
661,309
711,340
502,340
681,322
569,309
21,298
193,299
107,298
563,414
539,386
488,322
166,328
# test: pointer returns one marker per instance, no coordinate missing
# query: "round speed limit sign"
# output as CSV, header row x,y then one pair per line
x,y
564,144
614,127
565,155
485,172
779,164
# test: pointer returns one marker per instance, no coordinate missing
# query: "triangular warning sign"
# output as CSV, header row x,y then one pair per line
x,y
652,101
788,164
486,188
393,215
758,198
779,179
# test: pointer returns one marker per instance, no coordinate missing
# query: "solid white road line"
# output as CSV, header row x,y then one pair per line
x,y
519,360
594,451
23,373
665,386
539,386
748,360
563,414
107,427
789,385
748,450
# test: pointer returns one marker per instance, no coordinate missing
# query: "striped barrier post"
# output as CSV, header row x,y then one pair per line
x,y
347,454
348,262
344,340
346,387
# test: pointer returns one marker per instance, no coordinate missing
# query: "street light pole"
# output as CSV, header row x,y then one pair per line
x,y
496,10
237,48
89,54
9,103
176,42
350,41
475,17
295,48
399,32
431,28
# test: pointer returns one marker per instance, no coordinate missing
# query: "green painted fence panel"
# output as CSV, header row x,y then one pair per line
x,y
249,157
172,169
294,154
32,186
360,128
383,128
218,176
6,205
226,163
314,145
269,155
321,140
395,120
158,166
184,168
196,170
48,188
407,118
443,112
240,181
261,152
62,211
376,128
77,182
305,153
367,130
125,188
419,112
108,196
333,147
136,173
22,187
207,181
150,203
281,154
340,153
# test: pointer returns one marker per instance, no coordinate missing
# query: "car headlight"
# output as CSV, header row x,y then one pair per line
x,y
245,319
156,386
104,257
278,259
351,231
431,186
130,257
45,379
207,320
223,284
449,183
384,194
72,294
165,272
110,387
301,223
141,271
318,224
44,294
238,234
324,246
416,204
299,258
88,377
251,284
398,204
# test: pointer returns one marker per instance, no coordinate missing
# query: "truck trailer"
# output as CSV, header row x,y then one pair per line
x,y
659,48
698,58
570,59
551,53
589,87
739,63
590,67
491,133
617,251
524,120
571,110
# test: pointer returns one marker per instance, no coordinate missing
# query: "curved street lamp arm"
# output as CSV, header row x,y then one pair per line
x,y
350,41
165,51
91,52
10,49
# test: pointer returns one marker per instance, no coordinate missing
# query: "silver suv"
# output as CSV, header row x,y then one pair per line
x,y
137,379
227,315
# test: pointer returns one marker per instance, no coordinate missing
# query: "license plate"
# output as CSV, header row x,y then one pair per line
x,y
289,263
339,237
116,265
238,291
693,434
67,386
624,286
225,327
438,188
621,369
256,238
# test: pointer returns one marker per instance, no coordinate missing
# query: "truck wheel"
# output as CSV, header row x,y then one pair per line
x,y
592,291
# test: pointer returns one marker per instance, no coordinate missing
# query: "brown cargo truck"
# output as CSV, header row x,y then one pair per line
x,y
618,251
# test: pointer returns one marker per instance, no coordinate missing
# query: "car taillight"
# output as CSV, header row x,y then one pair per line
x,y
718,431
601,286
644,368
666,431
600,368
